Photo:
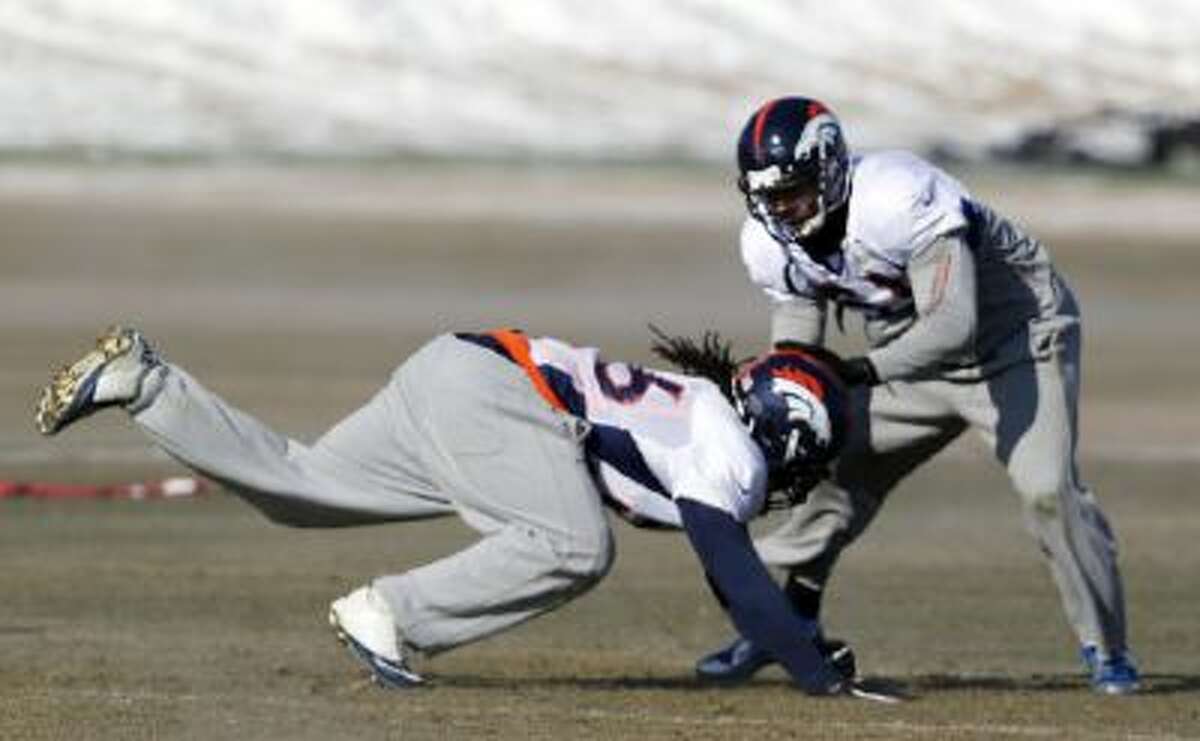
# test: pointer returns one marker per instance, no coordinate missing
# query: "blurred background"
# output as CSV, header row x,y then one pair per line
x,y
1113,80
289,197
362,171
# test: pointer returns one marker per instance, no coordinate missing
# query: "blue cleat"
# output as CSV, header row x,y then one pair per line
x,y
1111,675
733,664
741,660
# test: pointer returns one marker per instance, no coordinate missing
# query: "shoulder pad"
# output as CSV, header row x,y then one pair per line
x,y
900,204
766,260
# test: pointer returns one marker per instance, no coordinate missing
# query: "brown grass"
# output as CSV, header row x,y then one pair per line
x,y
197,619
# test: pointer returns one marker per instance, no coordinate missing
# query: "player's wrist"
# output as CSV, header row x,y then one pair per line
x,y
859,371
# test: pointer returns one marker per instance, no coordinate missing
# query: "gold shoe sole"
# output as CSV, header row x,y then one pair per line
x,y
61,402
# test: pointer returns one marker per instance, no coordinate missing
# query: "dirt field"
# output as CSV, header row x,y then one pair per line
x,y
294,292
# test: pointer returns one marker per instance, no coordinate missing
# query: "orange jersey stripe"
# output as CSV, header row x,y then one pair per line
x,y
517,346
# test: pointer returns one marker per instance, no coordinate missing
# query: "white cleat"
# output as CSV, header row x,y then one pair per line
x,y
112,374
363,622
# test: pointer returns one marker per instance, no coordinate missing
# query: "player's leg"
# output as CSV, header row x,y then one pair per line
x,y
360,472
894,429
289,481
515,470
1028,414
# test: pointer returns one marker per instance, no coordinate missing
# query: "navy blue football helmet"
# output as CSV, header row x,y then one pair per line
x,y
795,408
793,145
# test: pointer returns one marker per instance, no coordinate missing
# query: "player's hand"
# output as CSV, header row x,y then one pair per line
x,y
841,657
858,371
862,690
839,654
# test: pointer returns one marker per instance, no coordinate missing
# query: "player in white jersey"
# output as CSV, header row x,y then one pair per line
x,y
969,325
517,436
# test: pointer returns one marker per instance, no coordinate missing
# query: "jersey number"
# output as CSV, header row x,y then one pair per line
x,y
640,380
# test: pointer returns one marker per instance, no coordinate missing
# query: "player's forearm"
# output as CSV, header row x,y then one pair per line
x,y
756,604
943,283
799,319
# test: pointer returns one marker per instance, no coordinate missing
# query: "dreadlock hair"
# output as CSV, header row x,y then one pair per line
x,y
711,357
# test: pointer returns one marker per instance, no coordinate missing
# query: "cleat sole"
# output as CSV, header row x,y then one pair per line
x,y
67,396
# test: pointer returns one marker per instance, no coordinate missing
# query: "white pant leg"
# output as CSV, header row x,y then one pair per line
x,y
515,471
1029,416
342,480
894,429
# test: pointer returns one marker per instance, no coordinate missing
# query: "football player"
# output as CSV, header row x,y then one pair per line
x,y
523,438
969,325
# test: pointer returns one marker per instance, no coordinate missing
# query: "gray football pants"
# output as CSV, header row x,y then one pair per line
x,y
458,429
1027,415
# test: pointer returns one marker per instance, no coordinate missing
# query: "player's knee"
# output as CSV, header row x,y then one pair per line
x,y
564,561
593,557
585,558
1043,492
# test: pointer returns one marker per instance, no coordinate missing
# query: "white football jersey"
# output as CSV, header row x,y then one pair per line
x,y
655,436
899,204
